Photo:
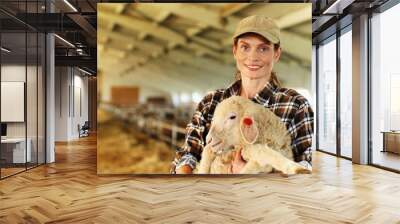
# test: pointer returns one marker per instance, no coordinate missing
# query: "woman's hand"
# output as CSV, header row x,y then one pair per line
x,y
238,163
185,169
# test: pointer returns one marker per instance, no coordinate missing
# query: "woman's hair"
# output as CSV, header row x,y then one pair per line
x,y
274,79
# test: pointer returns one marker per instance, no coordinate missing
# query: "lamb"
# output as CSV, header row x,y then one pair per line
x,y
239,123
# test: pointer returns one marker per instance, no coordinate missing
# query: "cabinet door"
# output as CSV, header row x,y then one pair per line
x,y
392,142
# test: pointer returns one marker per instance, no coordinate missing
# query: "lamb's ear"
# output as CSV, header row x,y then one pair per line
x,y
248,129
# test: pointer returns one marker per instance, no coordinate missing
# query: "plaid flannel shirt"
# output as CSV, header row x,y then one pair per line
x,y
293,109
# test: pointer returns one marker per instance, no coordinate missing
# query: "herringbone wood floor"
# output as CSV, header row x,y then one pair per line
x,y
69,191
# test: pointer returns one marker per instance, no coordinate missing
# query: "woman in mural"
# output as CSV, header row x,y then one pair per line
x,y
256,49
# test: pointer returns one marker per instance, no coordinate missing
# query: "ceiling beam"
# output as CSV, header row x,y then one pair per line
x,y
128,49
158,31
130,40
195,12
120,7
112,53
291,19
175,39
162,16
139,25
208,43
232,8
83,23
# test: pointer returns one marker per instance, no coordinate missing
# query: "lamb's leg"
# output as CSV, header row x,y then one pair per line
x,y
264,155
207,157
253,167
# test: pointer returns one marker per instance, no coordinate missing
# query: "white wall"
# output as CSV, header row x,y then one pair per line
x,y
61,103
33,126
14,73
82,83
80,96
71,93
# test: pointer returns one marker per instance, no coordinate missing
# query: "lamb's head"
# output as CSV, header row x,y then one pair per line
x,y
233,125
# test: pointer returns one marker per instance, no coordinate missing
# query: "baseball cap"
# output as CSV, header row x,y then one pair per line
x,y
261,25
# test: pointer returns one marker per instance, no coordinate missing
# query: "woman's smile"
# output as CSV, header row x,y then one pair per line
x,y
253,67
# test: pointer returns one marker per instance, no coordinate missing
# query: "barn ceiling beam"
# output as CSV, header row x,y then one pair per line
x,y
297,17
164,33
130,40
137,24
232,8
195,12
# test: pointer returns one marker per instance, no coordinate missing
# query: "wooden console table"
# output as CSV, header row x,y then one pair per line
x,y
391,141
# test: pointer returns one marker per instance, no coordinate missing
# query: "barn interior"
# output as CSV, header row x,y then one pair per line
x,y
157,61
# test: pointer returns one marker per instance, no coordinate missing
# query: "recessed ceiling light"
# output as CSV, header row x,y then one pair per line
x,y
70,5
64,40
5,50
84,71
337,7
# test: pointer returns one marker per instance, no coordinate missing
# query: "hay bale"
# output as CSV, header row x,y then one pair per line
x,y
131,152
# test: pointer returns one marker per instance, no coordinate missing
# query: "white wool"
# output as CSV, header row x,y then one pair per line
x,y
272,148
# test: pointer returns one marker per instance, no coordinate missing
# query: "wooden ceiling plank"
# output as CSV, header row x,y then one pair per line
x,y
162,16
208,43
195,12
139,25
299,16
153,47
232,8
120,8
